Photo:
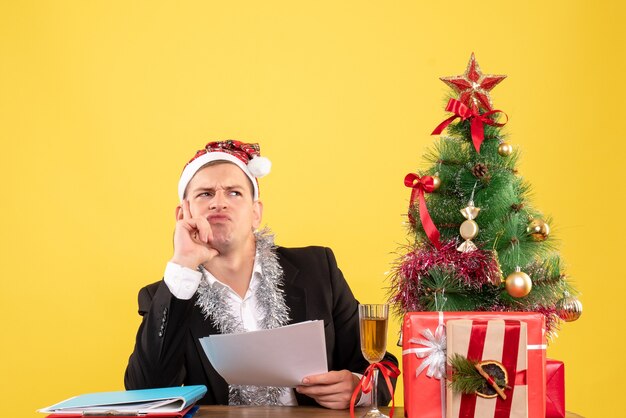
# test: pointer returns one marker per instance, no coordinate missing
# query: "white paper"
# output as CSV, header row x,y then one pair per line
x,y
274,357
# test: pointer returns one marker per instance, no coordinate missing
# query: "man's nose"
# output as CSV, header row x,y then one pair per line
x,y
219,200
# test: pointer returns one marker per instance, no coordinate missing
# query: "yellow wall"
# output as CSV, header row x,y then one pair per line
x,y
101,103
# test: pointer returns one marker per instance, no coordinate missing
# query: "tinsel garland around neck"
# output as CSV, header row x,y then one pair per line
x,y
273,311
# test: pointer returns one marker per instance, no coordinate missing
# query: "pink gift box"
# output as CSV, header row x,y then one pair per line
x,y
425,394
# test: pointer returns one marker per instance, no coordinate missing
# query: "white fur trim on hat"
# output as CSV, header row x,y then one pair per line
x,y
254,169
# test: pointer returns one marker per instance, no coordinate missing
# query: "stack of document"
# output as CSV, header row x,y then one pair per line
x,y
270,357
174,402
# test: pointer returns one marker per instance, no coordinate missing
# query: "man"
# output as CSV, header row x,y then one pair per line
x,y
224,277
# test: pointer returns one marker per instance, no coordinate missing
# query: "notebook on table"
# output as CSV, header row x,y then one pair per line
x,y
152,402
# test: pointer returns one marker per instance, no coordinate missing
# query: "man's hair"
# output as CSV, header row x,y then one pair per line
x,y
218,162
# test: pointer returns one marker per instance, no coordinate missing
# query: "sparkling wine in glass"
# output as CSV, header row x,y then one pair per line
x,y
373,322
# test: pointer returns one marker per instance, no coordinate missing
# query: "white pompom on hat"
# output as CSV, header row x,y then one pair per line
x,y
243,155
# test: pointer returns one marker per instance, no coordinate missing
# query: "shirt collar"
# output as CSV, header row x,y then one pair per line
x,y
257,272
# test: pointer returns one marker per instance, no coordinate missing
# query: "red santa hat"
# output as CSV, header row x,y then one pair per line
x,y
245,156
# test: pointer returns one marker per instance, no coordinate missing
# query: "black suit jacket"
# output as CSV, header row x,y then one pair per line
x,y
168,352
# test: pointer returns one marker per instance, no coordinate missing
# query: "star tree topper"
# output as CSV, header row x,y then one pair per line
x,y
473,86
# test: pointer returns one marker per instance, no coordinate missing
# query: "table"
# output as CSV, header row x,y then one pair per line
x,y
291,412
282,412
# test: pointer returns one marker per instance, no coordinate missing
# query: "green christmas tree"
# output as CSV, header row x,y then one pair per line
x,y
479,244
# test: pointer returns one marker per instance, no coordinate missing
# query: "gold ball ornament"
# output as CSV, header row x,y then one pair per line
x,y
569,309
538,229
518,284
436,181
505,149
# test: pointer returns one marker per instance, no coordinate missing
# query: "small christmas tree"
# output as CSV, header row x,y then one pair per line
x,y
479,244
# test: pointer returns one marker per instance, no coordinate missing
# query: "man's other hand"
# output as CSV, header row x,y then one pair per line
x,y
332,390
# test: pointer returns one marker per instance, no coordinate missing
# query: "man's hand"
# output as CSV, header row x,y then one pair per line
x,y
332,390
192,239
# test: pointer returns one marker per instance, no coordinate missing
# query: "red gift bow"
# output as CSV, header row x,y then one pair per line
x,y
387,369
478,121
419,186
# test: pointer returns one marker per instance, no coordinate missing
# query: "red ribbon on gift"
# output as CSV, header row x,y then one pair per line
x,y
520,378
421,185
510,351
387,369
478,121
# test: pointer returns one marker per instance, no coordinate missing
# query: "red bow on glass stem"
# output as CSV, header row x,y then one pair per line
x,y
478,121
387,369
419,186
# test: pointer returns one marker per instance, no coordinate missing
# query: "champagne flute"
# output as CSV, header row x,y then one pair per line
x,y
373,320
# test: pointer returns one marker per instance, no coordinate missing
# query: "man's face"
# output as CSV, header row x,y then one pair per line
x,y
222,194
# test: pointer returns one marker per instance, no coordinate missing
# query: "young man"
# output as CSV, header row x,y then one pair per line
x,y
224,277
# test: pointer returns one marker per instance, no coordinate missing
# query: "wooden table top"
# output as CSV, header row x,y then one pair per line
x,y
291,412
282,412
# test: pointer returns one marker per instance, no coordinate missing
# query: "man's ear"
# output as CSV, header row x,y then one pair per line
x,y
257,214
179,212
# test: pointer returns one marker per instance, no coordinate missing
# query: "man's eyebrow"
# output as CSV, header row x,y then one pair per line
x,y
212,188
202,189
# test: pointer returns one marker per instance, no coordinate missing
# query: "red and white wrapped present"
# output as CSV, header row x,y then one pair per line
x,y
424,360
498,341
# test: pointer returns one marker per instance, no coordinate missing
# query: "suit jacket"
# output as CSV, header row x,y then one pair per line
x,y
168,352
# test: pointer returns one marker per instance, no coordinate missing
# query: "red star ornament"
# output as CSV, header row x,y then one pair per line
x,y
473,86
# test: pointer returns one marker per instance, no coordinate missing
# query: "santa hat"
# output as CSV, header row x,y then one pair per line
x,y
245,156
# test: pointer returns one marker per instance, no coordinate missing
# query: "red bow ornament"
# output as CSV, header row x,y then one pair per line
x,y
421,185
388,370
478,121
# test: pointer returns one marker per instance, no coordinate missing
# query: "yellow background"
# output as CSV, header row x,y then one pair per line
x,y
101,103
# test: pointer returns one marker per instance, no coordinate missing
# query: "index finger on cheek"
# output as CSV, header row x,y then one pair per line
x,y
186,210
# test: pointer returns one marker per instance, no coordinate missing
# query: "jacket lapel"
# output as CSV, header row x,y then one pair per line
x,y
295,296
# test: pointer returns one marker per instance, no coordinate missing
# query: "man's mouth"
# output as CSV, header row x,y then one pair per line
x,y
218,218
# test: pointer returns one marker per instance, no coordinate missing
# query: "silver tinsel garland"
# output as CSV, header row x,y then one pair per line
x,y
273,309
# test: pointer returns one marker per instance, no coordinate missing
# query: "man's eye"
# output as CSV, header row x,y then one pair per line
x,y
205,194
235,193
